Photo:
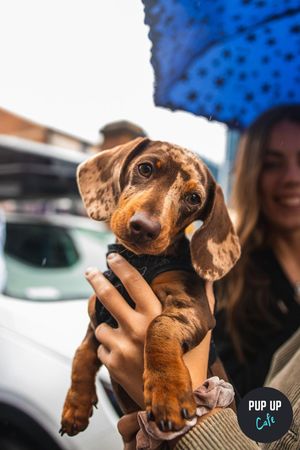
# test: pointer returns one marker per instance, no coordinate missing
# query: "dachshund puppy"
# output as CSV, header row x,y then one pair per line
x,y
150,191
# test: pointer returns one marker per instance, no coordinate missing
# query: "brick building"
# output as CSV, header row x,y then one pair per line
x,y
15,125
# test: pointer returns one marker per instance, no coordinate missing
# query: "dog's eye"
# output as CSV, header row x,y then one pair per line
x,y
193,199
145,169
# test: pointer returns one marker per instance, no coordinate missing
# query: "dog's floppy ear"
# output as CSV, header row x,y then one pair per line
x,y
98,178
215,246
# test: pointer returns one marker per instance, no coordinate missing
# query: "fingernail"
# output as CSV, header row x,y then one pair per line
x,y
112,256
89,270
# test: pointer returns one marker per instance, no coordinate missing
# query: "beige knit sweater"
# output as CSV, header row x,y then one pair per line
x,y
220,431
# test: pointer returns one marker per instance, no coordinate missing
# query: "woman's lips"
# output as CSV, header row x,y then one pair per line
x,y
291,201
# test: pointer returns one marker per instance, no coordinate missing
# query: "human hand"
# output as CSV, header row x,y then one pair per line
x,y
121,350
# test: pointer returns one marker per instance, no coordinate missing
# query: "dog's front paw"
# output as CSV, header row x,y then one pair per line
x,y
76,413
169,399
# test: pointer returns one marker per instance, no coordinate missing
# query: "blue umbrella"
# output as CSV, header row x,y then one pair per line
x,y
227,60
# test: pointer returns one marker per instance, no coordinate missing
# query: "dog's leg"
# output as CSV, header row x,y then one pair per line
x,y
168,391
185,320
81,396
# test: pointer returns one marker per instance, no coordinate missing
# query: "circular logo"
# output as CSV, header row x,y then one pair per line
x,y
265,414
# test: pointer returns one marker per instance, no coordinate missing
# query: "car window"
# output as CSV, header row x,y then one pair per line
x,y
46,262
40,245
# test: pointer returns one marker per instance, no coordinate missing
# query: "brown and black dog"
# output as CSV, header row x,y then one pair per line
x,y
150,191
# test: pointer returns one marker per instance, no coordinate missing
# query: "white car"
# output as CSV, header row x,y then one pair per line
x,y
43,309
43,318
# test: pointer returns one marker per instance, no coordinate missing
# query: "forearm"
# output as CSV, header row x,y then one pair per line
x,y
196,361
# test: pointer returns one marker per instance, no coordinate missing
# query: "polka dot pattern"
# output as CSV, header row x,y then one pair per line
x,y
226,60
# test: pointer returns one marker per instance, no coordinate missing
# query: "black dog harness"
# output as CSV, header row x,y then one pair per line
x,y
149,266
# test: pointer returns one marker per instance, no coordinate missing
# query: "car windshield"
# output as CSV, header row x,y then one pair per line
x,y
47,262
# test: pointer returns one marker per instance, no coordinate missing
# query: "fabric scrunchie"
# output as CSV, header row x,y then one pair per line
x,y
211,394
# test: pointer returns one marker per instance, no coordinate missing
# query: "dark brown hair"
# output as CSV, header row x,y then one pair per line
x,y
245,291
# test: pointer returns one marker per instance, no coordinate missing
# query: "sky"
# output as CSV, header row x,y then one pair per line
x,y
76,65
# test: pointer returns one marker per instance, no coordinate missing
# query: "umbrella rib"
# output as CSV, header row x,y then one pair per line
x,y
287,13
274,17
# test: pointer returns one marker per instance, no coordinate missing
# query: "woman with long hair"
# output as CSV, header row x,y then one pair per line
x,y
259,300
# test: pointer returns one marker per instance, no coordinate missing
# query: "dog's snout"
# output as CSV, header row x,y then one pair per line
x,y
144,227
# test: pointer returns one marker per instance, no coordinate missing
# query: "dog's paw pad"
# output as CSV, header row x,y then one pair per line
x,y
77,411
169,405
73,421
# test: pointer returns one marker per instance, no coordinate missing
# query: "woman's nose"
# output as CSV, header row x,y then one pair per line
x,y
292,172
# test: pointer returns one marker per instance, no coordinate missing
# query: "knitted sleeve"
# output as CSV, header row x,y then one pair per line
x,y
220,431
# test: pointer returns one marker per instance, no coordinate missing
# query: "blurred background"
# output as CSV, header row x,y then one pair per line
x,y
75,79
74,67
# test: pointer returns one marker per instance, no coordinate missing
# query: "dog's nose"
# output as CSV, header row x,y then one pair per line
x,y
144,227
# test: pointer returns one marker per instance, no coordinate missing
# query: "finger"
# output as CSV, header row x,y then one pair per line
x,y
107,336
109,296
138,289
104,355
128,426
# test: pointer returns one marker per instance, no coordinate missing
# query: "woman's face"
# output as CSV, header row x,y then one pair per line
x,y
280,177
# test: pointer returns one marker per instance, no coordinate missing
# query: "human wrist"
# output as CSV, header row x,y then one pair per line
x,y
196,361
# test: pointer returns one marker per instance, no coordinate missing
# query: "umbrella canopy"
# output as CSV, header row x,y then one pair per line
x,y
225,60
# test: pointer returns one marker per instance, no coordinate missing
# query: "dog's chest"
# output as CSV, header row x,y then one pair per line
x,y
149,266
